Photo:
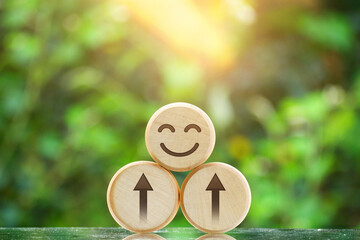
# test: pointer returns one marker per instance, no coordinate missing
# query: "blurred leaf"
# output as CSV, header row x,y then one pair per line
x,y
22,47
338,126
329,30
19,13
50,145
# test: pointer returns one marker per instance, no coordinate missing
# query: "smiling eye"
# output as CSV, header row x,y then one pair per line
x,y
188,127
172,129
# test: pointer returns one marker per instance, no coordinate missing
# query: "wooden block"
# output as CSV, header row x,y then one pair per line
x,y
180,136
144,236
143,197
215,197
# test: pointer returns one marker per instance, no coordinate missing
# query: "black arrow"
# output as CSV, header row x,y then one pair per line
x,y
215,186
143,186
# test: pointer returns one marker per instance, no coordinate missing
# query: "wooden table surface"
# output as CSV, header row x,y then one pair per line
x,y
176,233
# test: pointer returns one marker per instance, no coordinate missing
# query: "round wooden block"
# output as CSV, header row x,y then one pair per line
x,y
215,197
143,197
180,136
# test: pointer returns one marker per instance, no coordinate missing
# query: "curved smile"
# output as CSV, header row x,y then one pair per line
x,y
181,154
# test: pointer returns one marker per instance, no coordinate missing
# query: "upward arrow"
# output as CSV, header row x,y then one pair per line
x,y
143,186
215,186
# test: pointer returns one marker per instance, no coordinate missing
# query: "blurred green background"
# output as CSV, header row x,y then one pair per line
x,y
80,79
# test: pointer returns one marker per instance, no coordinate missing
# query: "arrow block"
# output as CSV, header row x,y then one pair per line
x,y
143,196
215,197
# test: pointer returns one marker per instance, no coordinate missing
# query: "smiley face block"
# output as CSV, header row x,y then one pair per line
x,y
143,197
180,136
215,197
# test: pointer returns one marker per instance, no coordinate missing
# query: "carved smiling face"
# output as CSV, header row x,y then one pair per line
x,y
180,136
186,129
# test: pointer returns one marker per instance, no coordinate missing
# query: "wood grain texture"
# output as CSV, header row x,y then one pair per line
x,y
127,188
197,200
180,136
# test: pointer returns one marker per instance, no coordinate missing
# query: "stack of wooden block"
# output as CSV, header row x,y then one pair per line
x,y
144,196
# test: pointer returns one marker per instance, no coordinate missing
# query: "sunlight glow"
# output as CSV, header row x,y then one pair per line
x,y
180,24
242,11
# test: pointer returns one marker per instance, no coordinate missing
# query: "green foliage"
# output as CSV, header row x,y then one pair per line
x,y
80,79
